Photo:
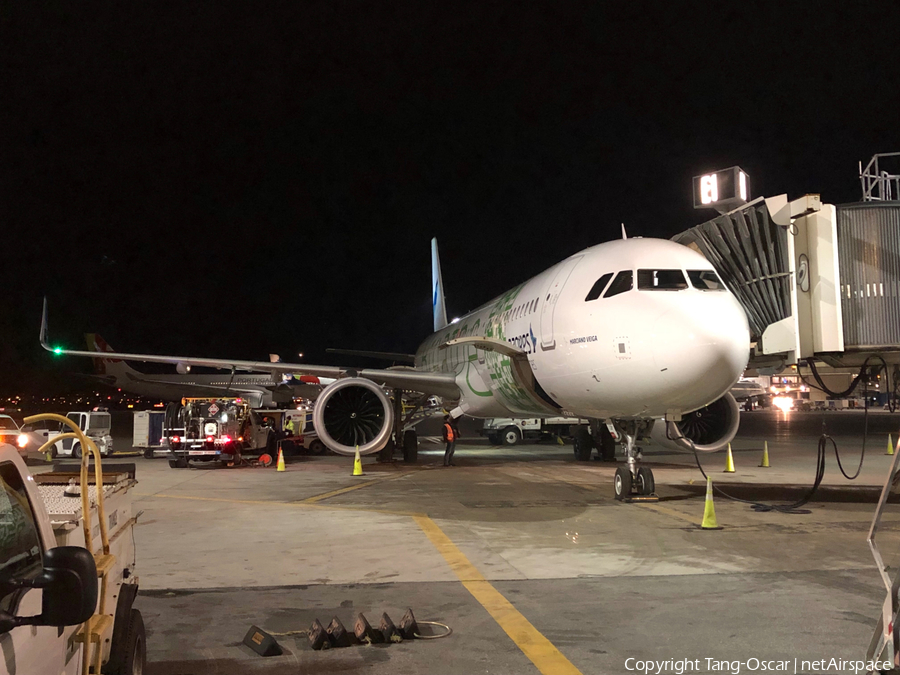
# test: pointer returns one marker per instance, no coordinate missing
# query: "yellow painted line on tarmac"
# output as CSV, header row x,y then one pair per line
x,y
669,512
349,488
300,504
542,653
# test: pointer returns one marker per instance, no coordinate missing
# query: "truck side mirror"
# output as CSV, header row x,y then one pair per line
x,y
69,585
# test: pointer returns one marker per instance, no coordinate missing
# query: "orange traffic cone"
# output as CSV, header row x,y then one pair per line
x,y
280,461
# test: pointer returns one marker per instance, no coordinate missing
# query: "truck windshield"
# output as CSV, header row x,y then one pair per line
x,y
99,421
20,546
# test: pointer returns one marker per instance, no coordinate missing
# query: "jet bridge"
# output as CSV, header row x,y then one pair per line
x,y
816,280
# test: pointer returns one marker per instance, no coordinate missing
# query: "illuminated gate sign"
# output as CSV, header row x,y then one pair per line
x,y
722,190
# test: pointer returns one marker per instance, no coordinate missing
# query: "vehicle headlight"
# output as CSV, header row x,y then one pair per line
x,y
22,440
210,429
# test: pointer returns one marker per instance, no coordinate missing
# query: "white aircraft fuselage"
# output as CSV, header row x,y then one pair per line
x,y
640,353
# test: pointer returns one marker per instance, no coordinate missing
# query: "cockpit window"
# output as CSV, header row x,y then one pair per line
x,y
661,280
623,282
598,287
705,280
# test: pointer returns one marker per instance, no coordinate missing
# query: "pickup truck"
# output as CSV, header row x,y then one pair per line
x,y
24,438
56,595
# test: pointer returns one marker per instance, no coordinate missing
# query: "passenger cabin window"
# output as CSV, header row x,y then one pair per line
x,y
598,287
20,544
661,280
623,282
705,280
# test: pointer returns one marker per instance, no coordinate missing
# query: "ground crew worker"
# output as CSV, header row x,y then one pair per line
x,y
289,426
450,439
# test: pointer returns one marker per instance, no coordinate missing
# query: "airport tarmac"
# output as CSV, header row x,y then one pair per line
x,y
522,551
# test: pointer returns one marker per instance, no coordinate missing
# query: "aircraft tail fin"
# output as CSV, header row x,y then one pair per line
x,y
106,366
437,289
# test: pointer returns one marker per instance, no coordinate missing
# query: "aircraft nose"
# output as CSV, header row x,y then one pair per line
x,y
701,348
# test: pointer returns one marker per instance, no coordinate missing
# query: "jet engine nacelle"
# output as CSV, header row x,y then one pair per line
x,y
353,412
709,429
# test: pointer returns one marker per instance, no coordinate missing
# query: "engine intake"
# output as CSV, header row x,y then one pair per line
x,y
353,412
708,429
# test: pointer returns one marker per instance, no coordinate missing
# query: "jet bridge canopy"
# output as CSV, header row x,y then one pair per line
x,y
816,280
750,253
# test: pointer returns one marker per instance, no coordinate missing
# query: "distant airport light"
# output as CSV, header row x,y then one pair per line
x,y
784,403
300,355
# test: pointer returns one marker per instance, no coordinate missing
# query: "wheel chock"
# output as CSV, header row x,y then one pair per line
x,y
408,626
365,633
338,635
318,638
389,630
262,642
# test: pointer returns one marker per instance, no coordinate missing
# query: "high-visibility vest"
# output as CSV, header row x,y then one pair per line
x,y
448,430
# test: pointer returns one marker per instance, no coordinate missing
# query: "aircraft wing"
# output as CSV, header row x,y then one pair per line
x,y
439,384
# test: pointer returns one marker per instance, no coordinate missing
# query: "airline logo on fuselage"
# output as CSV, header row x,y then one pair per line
x,y
527,342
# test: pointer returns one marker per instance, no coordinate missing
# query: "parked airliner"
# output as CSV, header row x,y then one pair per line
x,y
625,333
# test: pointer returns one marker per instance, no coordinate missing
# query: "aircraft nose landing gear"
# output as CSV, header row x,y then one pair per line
x,y
633,483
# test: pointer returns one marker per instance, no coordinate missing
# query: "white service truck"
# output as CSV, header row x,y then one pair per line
x,y
95,424
511,431
65,608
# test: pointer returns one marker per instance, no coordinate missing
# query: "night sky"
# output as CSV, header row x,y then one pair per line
x,y
234,179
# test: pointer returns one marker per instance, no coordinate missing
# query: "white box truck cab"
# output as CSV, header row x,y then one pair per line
x,y
96,424
512,431
55,595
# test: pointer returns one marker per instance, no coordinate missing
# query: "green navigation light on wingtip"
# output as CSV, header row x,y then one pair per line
x,y
57,350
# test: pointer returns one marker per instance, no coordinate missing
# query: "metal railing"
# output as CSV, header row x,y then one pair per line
x,y
879,185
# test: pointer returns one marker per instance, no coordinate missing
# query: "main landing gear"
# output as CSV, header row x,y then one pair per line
x,y
633,481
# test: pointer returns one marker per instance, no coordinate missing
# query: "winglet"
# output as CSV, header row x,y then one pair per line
x,y
437,289
43,336
624,236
